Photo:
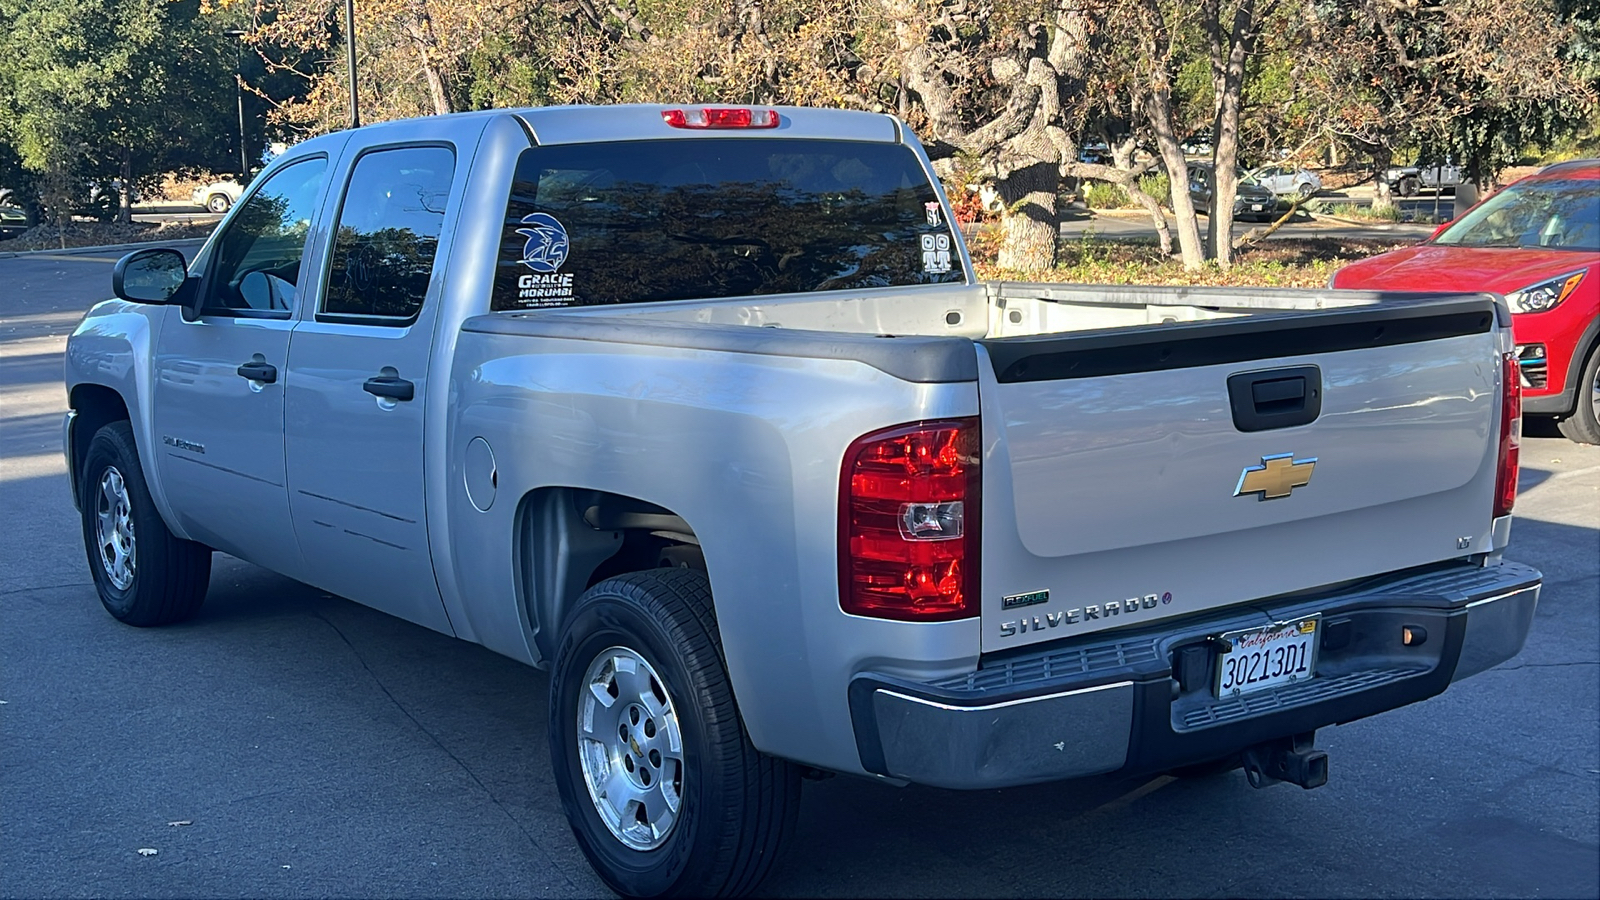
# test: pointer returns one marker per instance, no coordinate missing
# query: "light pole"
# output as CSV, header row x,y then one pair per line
x,y
238,90
350,59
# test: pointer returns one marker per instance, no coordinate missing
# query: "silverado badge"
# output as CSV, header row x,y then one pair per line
x,y
1276,477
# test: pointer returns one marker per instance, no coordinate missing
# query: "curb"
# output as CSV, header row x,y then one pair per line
x,y
100,249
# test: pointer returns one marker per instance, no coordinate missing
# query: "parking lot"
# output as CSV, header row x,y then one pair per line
x,y
286,743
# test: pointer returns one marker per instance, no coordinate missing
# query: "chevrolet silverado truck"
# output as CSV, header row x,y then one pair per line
x,y
704,411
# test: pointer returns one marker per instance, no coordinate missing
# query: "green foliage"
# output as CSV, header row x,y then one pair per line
x,y
1104,195
113,89
1159,187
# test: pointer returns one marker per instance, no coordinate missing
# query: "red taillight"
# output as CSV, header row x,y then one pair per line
x,y
1505,486
908,523
721,117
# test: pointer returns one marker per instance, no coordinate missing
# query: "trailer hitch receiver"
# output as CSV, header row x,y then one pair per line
x,y
1290,759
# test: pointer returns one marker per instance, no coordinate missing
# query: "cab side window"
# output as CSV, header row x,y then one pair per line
x,y
388,236
257,272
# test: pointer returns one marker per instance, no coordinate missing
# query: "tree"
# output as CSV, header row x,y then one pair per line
x,y
1481,78
112,89
1004,88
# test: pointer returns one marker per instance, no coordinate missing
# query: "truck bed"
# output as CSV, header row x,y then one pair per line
x,y
1114,458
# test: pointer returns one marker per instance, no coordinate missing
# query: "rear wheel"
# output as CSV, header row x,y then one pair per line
x,y
218,203
1583,425
664,792
1409,186
144,574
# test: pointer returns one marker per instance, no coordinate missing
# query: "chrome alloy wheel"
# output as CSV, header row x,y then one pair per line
x,y
113,529
630,748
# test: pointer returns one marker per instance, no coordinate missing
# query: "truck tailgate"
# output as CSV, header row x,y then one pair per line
x,y
1119,486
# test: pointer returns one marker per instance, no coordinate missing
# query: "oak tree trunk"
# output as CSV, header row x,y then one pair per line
x,y
1382,158
125,195
1030,222
1229,50
1159,113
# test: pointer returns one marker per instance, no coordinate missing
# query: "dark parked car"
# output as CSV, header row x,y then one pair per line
x,y
1252,201
13,221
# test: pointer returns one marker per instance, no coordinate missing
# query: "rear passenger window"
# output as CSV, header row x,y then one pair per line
x,y
388,235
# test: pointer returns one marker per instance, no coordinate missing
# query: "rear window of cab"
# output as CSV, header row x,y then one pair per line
x,y
630,222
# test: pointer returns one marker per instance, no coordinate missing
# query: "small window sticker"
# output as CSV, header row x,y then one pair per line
x,y
544,252
936,253
931,210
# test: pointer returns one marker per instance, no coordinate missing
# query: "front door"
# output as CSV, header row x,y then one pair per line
x,y
358,373
219,380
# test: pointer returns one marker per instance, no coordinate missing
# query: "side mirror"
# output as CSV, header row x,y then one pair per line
x,y
1440,230
149,276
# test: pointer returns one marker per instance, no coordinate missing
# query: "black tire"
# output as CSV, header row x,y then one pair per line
x,y
738,806
218,203
1583,425
168,576
1306,191
1409,186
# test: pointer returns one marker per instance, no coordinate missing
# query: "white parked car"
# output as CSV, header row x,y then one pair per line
x,y
218,196
1283,180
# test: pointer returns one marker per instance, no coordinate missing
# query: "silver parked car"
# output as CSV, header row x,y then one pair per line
x,y
1282,180
218,196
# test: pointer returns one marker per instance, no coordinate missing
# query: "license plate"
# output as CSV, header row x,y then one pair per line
x,y
1255,207
1261,658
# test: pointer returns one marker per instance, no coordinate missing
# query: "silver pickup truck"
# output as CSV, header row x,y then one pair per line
x,y
704,411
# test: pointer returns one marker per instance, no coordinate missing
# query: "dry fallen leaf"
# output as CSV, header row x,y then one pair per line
x,y
147,851
179,822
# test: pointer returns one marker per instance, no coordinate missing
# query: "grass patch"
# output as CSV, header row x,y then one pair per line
x,y
1283,263
1363,213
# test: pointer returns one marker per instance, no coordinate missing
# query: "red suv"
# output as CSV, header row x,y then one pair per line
x,y
1538,243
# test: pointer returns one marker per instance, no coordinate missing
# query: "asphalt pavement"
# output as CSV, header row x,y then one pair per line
x,y
286,743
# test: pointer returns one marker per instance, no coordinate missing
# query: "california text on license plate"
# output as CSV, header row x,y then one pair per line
x,y
1260,658
1255,207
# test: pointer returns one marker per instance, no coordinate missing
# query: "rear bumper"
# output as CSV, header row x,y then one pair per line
x,y
1140,701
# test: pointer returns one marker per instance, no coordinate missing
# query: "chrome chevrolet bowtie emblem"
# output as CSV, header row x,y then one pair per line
x,y
1276,477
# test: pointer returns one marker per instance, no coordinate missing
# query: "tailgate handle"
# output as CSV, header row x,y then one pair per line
x,y
1275,398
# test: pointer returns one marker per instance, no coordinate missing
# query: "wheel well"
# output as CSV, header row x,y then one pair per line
x,y
570,539
97,406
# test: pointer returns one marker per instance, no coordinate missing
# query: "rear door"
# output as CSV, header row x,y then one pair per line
x,y
358,373
1135,475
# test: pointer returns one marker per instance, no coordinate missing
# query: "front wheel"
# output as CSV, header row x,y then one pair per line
x,y
145,574
664,792
1583,425
1306,191
1409,186
218,203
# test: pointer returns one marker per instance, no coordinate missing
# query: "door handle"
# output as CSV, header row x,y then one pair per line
x,y
390,386
1277,398
255,370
